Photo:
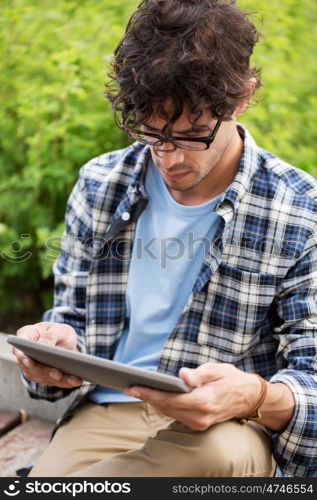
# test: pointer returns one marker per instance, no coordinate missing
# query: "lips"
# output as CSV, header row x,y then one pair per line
x,y
176,176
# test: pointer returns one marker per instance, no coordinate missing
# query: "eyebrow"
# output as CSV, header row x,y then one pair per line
x,y
187,131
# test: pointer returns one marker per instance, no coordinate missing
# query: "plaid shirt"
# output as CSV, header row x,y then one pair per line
x,y
253,303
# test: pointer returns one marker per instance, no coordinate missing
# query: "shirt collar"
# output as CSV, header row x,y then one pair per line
x,y
136,187
249,163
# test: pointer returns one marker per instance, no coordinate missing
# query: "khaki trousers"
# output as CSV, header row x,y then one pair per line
x,y
134,440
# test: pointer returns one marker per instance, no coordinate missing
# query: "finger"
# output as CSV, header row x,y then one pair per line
x,y
37,332
173,406
160,399
29,332
63,334
65,383
40,373
141,392
36,372
208,372
26,362
18,354
63,379
23,360
45,334
192,419
50,333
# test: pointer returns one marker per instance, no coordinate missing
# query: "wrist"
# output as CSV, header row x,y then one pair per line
x,y
253,409
279,406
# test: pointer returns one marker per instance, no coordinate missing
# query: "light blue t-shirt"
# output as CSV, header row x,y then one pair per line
x,y
171,241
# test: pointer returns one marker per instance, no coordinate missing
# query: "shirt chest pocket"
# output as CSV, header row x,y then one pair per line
x,y
238,310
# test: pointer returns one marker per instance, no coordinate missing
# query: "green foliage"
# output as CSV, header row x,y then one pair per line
x,y
284,121
53,63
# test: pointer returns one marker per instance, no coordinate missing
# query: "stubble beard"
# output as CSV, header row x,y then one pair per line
x,y
200,176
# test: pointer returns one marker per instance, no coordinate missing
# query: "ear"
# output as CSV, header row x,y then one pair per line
x,y
252,83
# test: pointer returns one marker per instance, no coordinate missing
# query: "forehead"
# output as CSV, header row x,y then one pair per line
x,y
186,123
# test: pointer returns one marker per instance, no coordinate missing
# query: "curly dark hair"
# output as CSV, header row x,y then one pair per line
x,y
193,53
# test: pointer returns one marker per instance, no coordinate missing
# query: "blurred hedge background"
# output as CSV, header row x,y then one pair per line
x,y
53,116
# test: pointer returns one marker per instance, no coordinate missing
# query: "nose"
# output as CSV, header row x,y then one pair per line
x,y
170,158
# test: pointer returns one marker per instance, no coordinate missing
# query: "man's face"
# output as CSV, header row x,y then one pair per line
x,y
184,170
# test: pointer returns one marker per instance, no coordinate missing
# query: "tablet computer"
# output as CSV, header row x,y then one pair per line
x,y
95,369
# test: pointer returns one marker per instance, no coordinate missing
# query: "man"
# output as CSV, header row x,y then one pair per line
x,y
191,252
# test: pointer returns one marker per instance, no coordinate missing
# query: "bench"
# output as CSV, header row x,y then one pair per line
x,y
23,434
22,440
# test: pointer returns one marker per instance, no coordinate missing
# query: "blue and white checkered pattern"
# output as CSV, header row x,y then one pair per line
x,y
253,303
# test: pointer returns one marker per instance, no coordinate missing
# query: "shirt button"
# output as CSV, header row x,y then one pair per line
x,y
125,216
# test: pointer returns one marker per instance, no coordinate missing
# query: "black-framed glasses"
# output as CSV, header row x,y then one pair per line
x,y
191,144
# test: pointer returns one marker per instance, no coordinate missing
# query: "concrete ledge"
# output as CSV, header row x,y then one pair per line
x,y
14,395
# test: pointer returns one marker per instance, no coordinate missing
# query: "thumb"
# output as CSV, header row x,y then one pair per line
x,y
205,373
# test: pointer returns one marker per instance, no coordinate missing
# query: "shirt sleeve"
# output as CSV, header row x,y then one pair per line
x,y
295,448
71,270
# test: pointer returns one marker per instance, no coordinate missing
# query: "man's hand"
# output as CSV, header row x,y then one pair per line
x,y
221,392
58,334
